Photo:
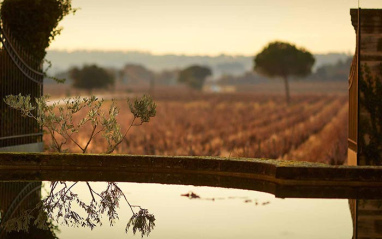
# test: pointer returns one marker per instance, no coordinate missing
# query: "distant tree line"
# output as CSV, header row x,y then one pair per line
x,y
135,74
244,79
95,77
139,75
328,72
333,72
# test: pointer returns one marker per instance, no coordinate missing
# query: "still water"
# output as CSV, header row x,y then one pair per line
x,y
217,213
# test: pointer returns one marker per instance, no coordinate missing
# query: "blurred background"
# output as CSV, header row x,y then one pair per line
x,y
140,47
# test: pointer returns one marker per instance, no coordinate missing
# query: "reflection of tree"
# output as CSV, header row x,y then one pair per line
x,y
370,117
142,222
59,206
16,198
34,232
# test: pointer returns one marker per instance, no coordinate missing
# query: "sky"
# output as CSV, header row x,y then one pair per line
x,y
209,27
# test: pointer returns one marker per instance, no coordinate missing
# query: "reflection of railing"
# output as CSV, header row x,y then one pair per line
x,y
19,73
18,200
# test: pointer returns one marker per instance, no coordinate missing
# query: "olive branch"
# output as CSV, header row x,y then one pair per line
x,y
57,120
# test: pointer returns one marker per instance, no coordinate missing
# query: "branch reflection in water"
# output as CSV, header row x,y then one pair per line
x,y
64,206
234,213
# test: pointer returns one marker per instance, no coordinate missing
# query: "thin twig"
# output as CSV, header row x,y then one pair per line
x,y
90,139
58,147
120,141
70,137
131,207
91,191
65,192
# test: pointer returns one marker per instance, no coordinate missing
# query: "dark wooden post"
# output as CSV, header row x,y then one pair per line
x,y
365,114
365,90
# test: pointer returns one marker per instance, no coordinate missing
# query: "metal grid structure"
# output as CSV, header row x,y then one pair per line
x,y
17,197
20,73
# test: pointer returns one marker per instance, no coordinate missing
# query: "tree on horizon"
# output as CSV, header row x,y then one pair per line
x,y
282,59
194,76
91,77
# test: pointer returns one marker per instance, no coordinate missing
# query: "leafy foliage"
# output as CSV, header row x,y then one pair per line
x,y
143,222
91,77
194,76
61,203
57,118
143,108
28,226
370,98
280,59
34,23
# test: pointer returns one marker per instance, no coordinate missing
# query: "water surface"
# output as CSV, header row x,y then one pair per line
x,y
220,213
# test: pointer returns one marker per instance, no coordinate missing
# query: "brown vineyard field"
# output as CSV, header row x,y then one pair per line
x,y
312,128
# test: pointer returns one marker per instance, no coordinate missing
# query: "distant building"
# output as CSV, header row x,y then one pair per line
x,y
219,89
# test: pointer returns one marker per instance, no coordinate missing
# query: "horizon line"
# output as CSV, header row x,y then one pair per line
x,y
181,54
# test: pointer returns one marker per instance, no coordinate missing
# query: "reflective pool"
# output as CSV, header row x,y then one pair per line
x,y
203,212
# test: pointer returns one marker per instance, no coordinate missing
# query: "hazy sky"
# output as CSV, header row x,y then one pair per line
x,y
209,27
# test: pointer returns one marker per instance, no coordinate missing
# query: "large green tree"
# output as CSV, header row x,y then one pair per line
x,y
194,76
91,77
281,59
34,23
